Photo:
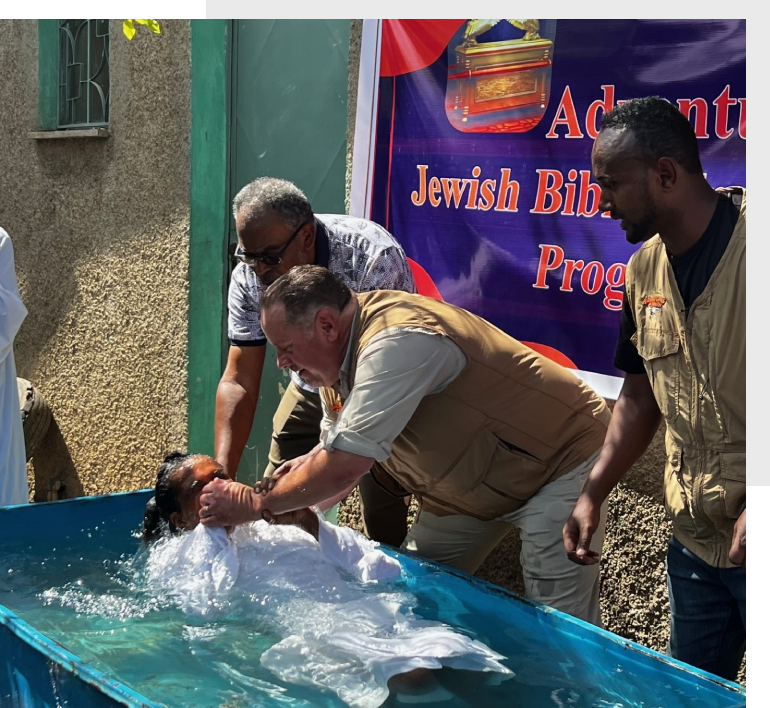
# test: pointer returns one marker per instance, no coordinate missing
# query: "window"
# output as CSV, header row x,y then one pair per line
x,y
84,73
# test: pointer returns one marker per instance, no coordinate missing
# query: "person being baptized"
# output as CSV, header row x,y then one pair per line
x,y
327,592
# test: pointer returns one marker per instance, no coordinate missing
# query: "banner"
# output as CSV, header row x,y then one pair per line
x,y
473,147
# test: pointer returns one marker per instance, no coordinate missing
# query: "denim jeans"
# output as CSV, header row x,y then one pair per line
x,y
708,612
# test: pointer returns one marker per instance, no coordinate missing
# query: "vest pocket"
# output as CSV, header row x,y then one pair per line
x,y
733,468
659,349
674,486
489,479
515,474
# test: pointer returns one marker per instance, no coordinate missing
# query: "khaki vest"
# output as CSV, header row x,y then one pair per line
x,y
697,368
511,422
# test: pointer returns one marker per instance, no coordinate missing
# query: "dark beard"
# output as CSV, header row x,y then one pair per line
x,y
640,232
644,230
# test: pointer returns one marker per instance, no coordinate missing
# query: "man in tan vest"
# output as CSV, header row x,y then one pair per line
x,y
437,402
683,348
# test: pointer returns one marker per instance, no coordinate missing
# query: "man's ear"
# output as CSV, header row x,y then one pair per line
x,y
328,321
308,235
667,173
177,520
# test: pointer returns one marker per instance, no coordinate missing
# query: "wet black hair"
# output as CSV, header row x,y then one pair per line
x,y
157,512
660,129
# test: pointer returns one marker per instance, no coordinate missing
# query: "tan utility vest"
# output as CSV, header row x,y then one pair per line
x,y
697,368
511,422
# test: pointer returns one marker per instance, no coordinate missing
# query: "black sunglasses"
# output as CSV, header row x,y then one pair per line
x,y
268,259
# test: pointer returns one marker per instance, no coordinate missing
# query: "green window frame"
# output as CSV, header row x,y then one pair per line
x,y
73,73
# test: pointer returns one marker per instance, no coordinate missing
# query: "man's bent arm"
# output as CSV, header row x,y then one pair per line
x,y
635,420
319,478
324,506
237,396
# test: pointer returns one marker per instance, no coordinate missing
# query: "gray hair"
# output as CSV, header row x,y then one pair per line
x,y
278,195
304,291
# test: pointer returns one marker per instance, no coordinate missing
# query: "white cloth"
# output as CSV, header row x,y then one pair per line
x,y
13,466
343,629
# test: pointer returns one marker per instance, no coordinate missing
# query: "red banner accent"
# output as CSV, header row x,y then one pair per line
x,y
409,45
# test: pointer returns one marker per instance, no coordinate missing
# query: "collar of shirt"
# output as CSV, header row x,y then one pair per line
x,y
344,382
720,220
321,244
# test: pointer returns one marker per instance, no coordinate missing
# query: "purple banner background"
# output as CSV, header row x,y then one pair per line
x,y
487,261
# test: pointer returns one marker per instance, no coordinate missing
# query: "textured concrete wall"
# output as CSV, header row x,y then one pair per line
x,y
634,596
100,230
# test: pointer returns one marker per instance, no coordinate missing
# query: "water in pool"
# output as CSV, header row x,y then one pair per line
x,y
187,625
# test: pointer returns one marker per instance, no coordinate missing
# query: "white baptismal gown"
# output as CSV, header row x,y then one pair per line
x,y
343,628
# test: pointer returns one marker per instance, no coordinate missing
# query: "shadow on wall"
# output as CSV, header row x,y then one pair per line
x,y
106,333
64,238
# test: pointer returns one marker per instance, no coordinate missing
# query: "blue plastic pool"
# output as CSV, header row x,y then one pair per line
x,y
108,653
